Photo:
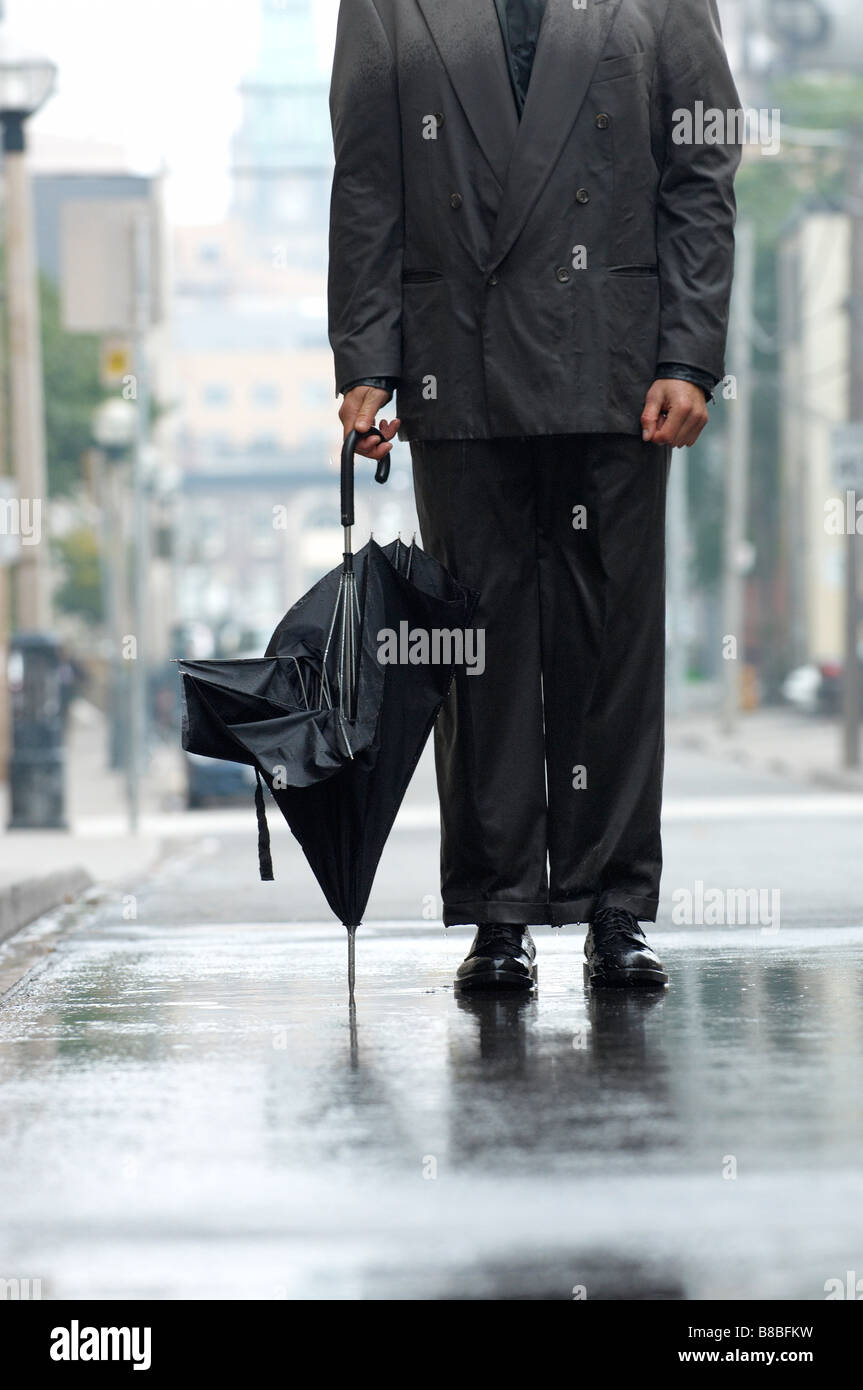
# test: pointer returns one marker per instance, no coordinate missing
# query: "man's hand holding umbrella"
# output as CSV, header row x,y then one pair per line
x,y
357,412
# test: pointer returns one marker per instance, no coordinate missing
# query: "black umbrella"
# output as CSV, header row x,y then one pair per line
x,y
333,730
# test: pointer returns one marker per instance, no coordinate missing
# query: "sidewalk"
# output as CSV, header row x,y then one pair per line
x,y
775,740
40,869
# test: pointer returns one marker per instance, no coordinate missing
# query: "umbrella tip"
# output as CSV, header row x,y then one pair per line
x,y
352,934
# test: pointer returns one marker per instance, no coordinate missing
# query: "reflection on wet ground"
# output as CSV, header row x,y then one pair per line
x,y
187,1111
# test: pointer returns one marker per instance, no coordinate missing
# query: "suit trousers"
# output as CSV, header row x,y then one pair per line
x,y
549,762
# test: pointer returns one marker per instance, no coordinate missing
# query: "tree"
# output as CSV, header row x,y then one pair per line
x,y
72,392
80,591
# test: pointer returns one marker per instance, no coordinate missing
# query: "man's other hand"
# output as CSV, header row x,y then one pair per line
x,y
357,412
675,413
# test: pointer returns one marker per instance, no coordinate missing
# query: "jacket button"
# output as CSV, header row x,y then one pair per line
x,y
455,200
602,121
582,196
492,279
562,274
439,118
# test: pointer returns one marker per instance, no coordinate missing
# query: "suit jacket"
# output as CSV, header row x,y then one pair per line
x,y
526,277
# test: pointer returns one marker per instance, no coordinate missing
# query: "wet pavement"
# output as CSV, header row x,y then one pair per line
x,y
187,1108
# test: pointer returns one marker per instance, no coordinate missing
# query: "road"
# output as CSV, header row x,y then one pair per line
x,y
187,1110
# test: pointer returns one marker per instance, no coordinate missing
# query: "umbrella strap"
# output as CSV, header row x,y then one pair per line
x,y
265,861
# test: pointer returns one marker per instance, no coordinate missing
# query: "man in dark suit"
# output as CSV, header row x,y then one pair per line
x,y
527,245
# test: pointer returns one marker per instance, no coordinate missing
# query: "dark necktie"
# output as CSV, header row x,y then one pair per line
x,y
520,21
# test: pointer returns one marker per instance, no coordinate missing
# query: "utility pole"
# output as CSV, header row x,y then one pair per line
x,y
25,372
138,693
109,285
5,587
5,566
738,448
851,666
678,554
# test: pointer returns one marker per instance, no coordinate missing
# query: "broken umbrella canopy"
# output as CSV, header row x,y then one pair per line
x,y
333,731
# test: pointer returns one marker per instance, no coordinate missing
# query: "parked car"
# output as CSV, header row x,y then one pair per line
x,y
815,688
210,780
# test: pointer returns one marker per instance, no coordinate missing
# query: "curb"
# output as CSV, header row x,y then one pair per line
x,y
834,778
23,902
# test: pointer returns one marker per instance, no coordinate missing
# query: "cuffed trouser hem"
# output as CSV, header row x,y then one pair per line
x,y
481,913
554,914
573,910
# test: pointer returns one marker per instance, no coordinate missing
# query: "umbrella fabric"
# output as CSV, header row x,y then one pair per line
x,y
271,711
339,783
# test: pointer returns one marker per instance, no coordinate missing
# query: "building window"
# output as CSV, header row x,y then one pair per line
x,y
265,444
317,395
209,530
266,394
263,538
216,394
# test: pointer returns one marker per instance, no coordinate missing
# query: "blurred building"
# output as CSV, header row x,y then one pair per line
x,y
282,150
772,41
81,172
258,431
777,36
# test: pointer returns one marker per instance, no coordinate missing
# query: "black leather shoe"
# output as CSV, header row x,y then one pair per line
x,y
501,957
618,954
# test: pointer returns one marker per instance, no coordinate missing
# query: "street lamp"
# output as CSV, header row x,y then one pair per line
x,y
114,426
25,84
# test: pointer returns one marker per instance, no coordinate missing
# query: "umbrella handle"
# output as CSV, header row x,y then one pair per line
x,y
382,472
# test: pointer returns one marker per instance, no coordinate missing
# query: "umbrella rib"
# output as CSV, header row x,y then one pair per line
x,y
353,618
345,734
302,682
345,605
325,684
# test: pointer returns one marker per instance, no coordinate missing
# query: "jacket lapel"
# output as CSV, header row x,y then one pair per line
x,y
569,46
468,38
